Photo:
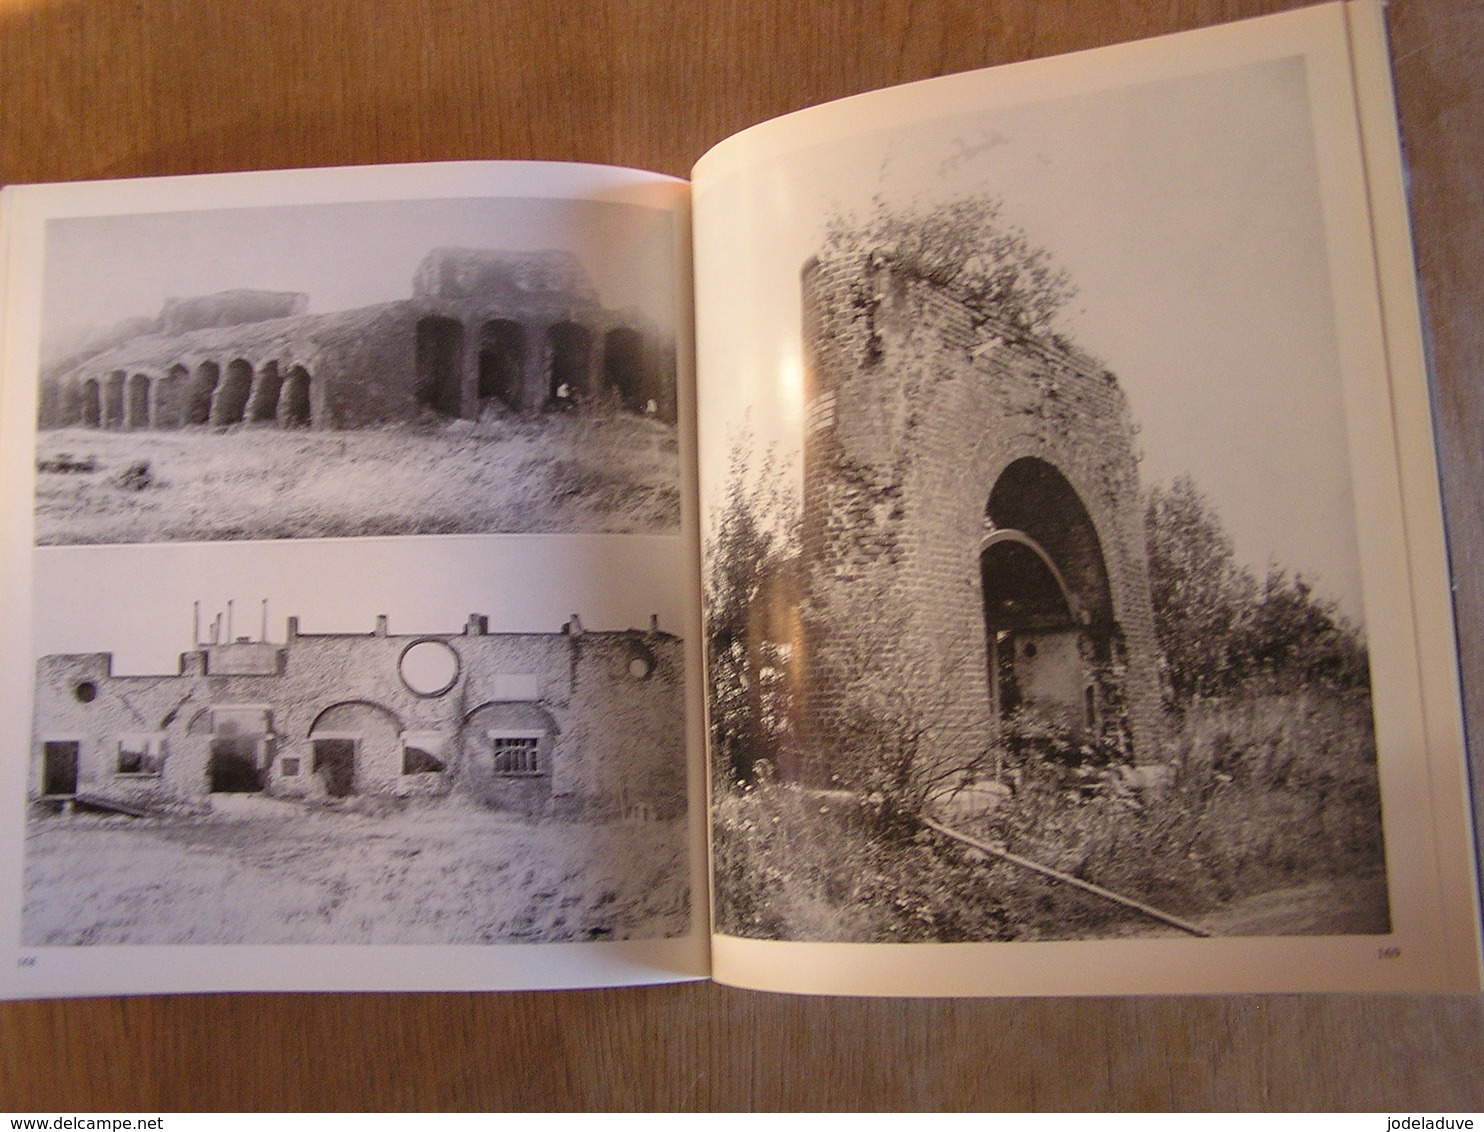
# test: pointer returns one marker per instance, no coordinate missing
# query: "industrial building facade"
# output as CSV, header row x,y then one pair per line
x,y
576,723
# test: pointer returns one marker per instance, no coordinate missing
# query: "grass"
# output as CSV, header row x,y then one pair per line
x,y
1270,825
267,871
601,472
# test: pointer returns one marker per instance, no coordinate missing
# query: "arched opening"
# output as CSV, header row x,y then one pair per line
x,y
1048,611
262,403
506,755
90,413
198,399
623,367
570,350
293,399
1032,496
440,364
113,400
230,401
348,740
136,402
239,745
502,362
165,404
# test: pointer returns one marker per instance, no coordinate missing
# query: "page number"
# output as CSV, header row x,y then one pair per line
x,y
1388,953
26,961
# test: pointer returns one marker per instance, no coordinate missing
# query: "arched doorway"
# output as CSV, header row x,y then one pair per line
x,y
502,362
623,366
440,364
293,399
230,401
203,387
136,401
113,400
570,349
1050,636
91,415
262,403
349,741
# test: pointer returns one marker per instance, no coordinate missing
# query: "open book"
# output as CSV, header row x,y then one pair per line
x,y
978,537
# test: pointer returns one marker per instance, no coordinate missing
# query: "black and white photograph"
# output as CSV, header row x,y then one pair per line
x,y
1034,604
251,758
365,368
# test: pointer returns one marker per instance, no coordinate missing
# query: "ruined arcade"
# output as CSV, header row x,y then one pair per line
x,y
482,330
972,510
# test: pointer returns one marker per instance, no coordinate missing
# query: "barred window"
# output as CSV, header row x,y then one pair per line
x,y
516,754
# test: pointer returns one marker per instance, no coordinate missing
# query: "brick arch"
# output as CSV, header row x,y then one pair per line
x,y
623,366
502,362
924,438
569,347
295,407
508,753
229,401
1101,540
90,398
1021,582
353,743
138,389
1032,495
335,715
202,390
262,402
113,398
1091,527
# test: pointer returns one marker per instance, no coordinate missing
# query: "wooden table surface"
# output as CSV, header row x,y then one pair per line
x,y
114,88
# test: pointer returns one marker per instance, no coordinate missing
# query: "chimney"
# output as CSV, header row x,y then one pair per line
x,y
380,625
478,625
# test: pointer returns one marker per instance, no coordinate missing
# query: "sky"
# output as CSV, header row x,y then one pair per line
x,y
1187,212
137,601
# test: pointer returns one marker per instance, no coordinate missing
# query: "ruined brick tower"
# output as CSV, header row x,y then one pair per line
x,y
972,534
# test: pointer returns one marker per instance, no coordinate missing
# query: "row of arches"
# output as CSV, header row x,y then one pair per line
x,y
353,745
208,395
521,370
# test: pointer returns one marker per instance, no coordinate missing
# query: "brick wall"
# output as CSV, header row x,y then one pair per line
x,y
916,408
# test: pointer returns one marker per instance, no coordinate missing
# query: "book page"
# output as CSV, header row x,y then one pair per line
x,y
349,543
1066,496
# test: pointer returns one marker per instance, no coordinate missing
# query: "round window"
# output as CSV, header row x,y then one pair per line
x,y
429,668
641,662
85,692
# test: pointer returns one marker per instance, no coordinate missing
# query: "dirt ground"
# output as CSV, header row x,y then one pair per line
x,y
259,870
617,473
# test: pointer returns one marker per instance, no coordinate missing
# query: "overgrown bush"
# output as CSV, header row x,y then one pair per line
x,y
793,863
1266,792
